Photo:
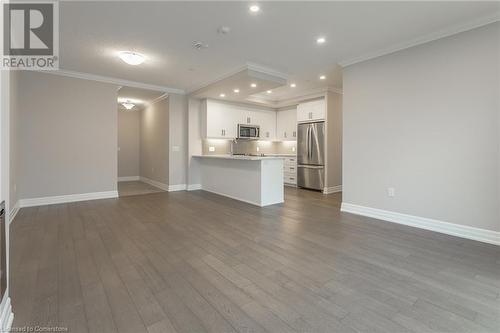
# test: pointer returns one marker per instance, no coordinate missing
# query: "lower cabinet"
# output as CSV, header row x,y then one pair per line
x,y
290,171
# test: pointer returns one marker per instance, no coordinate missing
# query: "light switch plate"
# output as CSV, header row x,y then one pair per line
x,y
391,192
211,148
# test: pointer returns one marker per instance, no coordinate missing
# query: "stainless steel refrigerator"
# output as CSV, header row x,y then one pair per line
x,y
311,155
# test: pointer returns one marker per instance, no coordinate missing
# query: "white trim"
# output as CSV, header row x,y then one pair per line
x,y
155,183
194,187
13,211
482,235
178,187
159,98
129,178
6,316
305,95
67,198
424,39
112,80
332,189
252,66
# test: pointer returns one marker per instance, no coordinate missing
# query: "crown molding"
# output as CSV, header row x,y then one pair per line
x,y
159,98
308,94
118,82
485,20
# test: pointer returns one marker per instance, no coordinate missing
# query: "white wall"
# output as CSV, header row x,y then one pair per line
x,y
129,124
425,120
178,139
154,152
67,136
6,315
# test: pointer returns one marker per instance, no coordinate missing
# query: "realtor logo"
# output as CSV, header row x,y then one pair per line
x,y
30,35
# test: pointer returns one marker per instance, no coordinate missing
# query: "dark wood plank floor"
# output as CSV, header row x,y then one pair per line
x,y
198,262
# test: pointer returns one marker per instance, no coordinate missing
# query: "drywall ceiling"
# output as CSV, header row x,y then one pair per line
x,y
282,36
140,97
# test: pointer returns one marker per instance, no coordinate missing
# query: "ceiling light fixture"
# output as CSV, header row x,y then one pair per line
x,y
127,105
293,85
254,8
236,90
131,58
269,91
322,77
253,85
321,40
222,95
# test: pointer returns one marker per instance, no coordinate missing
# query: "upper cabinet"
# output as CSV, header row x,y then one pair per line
x,y
311,111
286,125
220,120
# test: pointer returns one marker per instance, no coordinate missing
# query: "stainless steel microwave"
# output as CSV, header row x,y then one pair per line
x,y
248,131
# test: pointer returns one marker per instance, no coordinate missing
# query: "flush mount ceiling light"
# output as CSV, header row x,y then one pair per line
x,y
131,58
253,85
127,105
322,77
320,40
293,85
254,8
222,95
236,90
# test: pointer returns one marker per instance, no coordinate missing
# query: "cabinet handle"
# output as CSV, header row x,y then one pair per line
x,y
222,132
294,134
249,120
284,134
267,134
310,115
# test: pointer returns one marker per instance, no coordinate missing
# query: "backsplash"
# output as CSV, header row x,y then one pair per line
x,y
221,146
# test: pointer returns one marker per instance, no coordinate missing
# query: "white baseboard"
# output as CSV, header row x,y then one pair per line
x,y
13,211
6,316
154,183
233,197
332,189
129,178
482,235
178,187
67,198
194,187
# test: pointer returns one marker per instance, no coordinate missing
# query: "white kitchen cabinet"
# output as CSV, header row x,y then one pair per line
x,y
311,111
220,120
286,125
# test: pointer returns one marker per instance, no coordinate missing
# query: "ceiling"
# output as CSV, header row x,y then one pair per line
x,y
139,97
282,36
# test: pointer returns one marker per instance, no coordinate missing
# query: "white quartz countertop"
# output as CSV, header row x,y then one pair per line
x,y
242,157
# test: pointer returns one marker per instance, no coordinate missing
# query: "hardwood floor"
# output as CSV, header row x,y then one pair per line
x,y
198,262
136,188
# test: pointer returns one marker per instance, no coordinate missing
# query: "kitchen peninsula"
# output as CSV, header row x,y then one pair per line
x,y
257,180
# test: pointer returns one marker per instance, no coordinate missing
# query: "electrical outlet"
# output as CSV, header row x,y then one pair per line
x,y
391,192
211,148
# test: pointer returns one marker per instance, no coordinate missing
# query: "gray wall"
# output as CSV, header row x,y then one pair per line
x,y
67,135
14,137
129,123
178,139
425,120
154,133
334,139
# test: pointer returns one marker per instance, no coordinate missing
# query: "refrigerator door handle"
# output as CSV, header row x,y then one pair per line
x,y
310,166
309,143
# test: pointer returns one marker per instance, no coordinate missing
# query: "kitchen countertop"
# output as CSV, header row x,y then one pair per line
x,y
244,157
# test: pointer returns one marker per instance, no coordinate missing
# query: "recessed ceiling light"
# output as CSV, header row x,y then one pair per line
x,y
322,77
253,85
131,58
254,8
269,91
293,85
320,40
236,90
222,95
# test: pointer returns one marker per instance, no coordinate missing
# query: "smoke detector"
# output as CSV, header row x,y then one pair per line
x,y
224,30
199,45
